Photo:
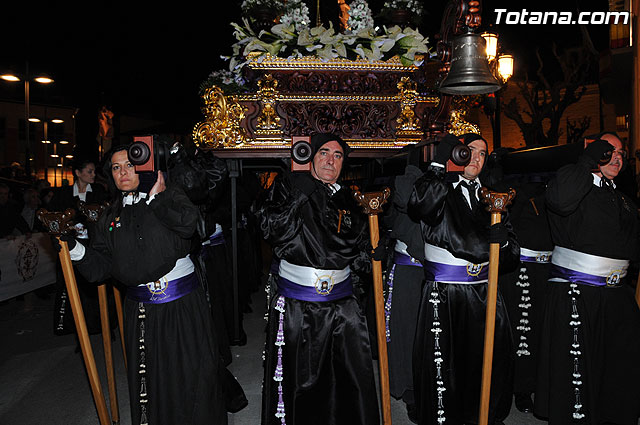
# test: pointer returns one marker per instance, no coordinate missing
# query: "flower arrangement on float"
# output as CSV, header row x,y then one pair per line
x,y
293,37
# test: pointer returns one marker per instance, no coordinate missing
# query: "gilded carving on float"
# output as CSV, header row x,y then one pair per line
x,y
274,63
221,127
408,123
459,108
268,123
459,125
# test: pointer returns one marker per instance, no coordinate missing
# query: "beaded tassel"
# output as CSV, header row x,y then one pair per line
x,y
437,353
142,367
387,304
575,351
278,375
63,308
525,304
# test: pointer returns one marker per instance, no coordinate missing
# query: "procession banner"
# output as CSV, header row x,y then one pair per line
x,y
26,263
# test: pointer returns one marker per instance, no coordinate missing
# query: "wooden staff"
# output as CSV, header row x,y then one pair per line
x,y
59,223
497,203
118,300
371,203
93,212
108,356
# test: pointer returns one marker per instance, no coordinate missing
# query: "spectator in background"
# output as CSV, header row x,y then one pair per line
x,y
29,208
46,195
11,222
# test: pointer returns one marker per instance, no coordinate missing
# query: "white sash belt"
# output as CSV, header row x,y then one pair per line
x,y
308,276
588,264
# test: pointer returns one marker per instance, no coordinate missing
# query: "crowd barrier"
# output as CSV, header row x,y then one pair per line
x,y
26,263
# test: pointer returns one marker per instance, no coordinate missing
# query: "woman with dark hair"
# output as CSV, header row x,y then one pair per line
x,y
143,241
84,189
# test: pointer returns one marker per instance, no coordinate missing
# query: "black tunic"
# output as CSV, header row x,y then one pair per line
x,y
525,289
326,359
405,288
599,382
458,311
140,243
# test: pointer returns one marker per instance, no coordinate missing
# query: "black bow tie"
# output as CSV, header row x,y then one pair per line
x,y
606,183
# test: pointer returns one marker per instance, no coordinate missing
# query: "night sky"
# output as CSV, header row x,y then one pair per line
x,y
150,63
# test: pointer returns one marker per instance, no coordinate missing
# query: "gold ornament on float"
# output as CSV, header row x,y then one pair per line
x,y
221,127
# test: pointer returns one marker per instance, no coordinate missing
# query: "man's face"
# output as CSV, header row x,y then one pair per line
x,y
124,172
327,162
478,155
614,166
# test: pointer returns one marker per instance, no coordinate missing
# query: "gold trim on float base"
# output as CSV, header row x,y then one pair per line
x,y
266,61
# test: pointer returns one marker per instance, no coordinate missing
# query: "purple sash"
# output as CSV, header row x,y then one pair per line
x,y
310,293
217,239
402,259
472,273
160,292
614,279
274,269
533,256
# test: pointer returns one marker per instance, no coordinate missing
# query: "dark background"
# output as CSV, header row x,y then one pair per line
x,y
150,62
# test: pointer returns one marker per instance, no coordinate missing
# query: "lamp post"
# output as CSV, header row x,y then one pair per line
x,y
41,79
501,66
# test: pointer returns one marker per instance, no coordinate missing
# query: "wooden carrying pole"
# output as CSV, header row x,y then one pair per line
x,y
372,203
118,301
59,223
93,212
497,205
83,334
108,356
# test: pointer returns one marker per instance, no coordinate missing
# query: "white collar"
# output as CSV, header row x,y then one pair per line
x,y
460,178
131,199
76,191
597,179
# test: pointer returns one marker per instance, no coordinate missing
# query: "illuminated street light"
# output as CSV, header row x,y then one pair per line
x,y
42,79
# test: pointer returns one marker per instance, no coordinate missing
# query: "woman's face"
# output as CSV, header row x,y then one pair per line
x,y
123,172
87,175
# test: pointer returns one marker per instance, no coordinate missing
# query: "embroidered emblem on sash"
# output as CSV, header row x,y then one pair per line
x,y
324,284
614,278
543,258
474,269
158,287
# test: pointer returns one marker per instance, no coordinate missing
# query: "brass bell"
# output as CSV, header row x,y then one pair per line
x,y
469,72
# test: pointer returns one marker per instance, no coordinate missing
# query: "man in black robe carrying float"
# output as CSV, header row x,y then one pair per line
x,y
448,347
588,369
318,367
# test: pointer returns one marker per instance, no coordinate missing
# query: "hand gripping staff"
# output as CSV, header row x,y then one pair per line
x,y
93,212
372,203
497,203
59,223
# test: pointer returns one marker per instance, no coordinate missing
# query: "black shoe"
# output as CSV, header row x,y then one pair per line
x,y
523,402
412,414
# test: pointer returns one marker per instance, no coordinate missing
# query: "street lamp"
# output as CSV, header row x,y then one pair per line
x,y
501,66
41,79
46,142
